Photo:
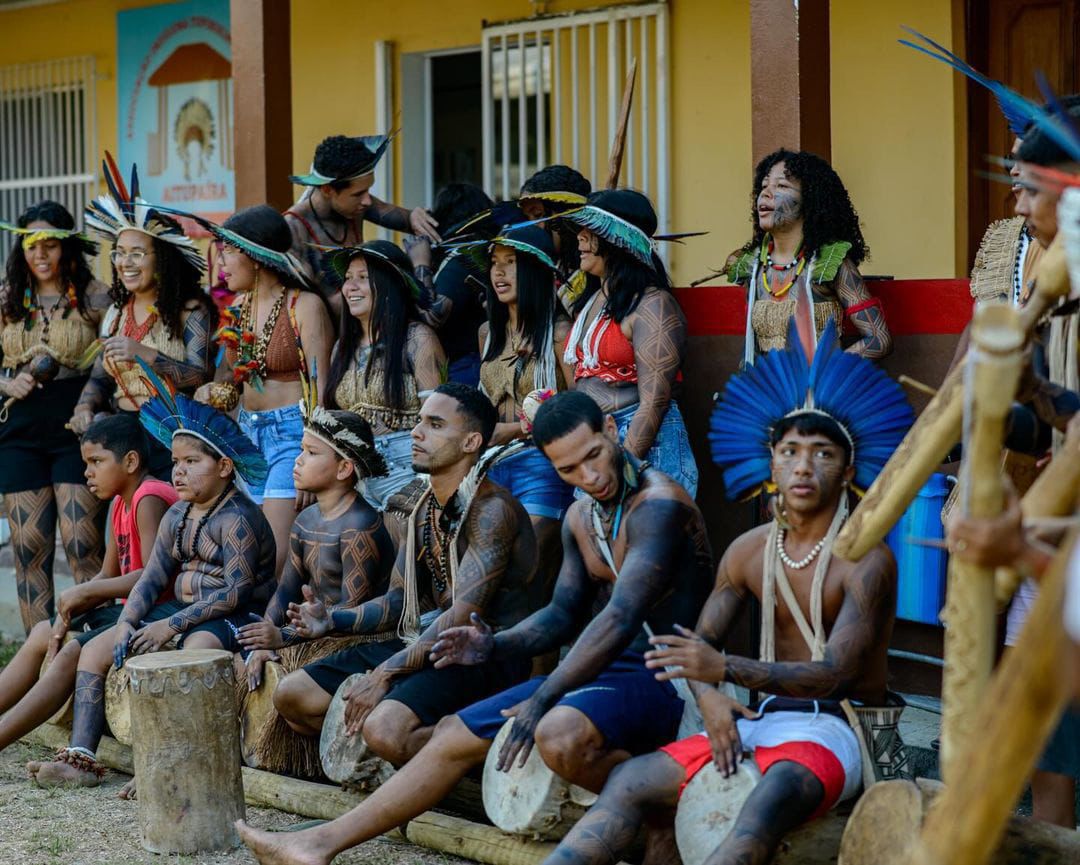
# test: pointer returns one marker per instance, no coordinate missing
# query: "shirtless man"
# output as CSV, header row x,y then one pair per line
x,y
471,557
340,552
600,705
214,548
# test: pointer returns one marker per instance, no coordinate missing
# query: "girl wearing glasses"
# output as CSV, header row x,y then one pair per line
x,y
50,307
159,312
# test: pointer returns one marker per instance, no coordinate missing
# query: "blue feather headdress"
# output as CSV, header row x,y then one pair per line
x,y
371,150
124,210
167,414
869,406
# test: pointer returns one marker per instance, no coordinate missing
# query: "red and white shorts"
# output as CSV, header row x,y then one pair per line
x,y
822,743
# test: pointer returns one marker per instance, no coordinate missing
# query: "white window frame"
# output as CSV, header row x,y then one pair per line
x,y
55,156
648,140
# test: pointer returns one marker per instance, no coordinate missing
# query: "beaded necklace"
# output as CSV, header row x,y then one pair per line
x,y
798,263
250,363
33,306
322,225
438,527
178,552
135,331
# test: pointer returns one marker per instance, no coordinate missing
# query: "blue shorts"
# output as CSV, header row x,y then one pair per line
x,y
533,481
632,711
396,449
670,452
277,434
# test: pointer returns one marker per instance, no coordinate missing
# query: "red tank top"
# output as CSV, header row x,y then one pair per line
x,y
125,526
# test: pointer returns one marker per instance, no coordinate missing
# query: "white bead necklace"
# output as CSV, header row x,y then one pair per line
x,y
790,562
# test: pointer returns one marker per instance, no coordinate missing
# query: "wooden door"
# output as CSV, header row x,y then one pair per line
x,y
1011,40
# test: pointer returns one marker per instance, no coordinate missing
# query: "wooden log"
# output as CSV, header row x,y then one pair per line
x,y
530,800
118,704
884,830
936,430
63,716
448,834
992,374
347,759
187,750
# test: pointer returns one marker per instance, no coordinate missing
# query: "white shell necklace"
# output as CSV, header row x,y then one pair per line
x,y
805,560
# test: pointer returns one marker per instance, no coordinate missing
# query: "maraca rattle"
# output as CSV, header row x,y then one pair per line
x,y
43,369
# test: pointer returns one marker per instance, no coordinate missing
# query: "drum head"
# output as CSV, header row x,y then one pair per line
x,y
527,800
708,808
340,754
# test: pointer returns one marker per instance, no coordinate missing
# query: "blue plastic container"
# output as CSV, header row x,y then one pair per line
x,y
921,569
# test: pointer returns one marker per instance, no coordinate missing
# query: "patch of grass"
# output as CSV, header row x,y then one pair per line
x,y
8,648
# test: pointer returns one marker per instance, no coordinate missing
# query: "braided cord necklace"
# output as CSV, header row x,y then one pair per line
x,y
251,352
798,263
178,552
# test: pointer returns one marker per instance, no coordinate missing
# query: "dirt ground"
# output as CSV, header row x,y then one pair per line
x,y
77,826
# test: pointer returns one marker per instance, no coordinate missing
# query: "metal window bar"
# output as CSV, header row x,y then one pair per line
x,y
48,135
574,66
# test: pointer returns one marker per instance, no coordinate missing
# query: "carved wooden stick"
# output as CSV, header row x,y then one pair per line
x,y
1015,718
618,146
936,430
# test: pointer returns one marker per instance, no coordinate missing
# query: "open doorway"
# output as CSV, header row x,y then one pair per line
x,y
442,129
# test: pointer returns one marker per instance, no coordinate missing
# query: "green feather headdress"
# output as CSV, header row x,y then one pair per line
x,y
478,252
374,146
30,236
340,256
614,229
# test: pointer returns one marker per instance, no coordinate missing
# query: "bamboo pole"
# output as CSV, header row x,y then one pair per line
x,y
992,373
936,430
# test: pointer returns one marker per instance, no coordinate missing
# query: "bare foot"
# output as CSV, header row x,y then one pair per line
x,y
127,791
57,774
279,848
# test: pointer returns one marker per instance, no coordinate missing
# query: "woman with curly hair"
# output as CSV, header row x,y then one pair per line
x,y
50,307
807,241
387,360
629,334
159,311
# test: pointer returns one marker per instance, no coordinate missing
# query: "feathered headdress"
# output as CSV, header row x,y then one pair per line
x,y
331,431
370,151
526,239
123,210
29,236
614,229
381,250
869,407
555,196
167,414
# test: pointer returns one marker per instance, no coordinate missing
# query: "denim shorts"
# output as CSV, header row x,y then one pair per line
x,y
532,480
396,449
277,434
670,452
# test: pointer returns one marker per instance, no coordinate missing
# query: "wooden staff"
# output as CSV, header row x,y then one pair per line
x,y
618,146
993,373
1052,495
936,430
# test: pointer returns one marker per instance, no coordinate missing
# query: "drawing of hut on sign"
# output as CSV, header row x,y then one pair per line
x,y
194,111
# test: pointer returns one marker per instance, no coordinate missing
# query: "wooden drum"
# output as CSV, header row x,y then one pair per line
x,y
531,800
118,704
708,808
186,743
347,760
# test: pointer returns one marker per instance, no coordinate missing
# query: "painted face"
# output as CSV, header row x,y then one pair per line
x,y
357,289
504,273
441,438
809,470
318,465
1038,207
43,258
135,261
779,204
237,269
104,473
197,476
533,208
353,200
588,460
588,246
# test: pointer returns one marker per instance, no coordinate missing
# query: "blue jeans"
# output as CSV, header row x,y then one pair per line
x,y
277,434
670,452
396,449
532,480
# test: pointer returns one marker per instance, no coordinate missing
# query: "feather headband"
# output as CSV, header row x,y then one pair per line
x,y
870,408
123,210
374,146
614,229
344,442
30,236
555,197
167,414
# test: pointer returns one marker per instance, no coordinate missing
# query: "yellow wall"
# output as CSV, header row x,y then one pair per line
x,y
894,136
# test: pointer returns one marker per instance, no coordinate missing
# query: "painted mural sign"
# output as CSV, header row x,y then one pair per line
x,y
174,83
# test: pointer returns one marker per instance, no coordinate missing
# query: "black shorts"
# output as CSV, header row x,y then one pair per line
x,y
431,694
226,629
94,622
36,448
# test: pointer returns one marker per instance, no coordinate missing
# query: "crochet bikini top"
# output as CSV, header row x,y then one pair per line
x,y
69,338
283,353
614,354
